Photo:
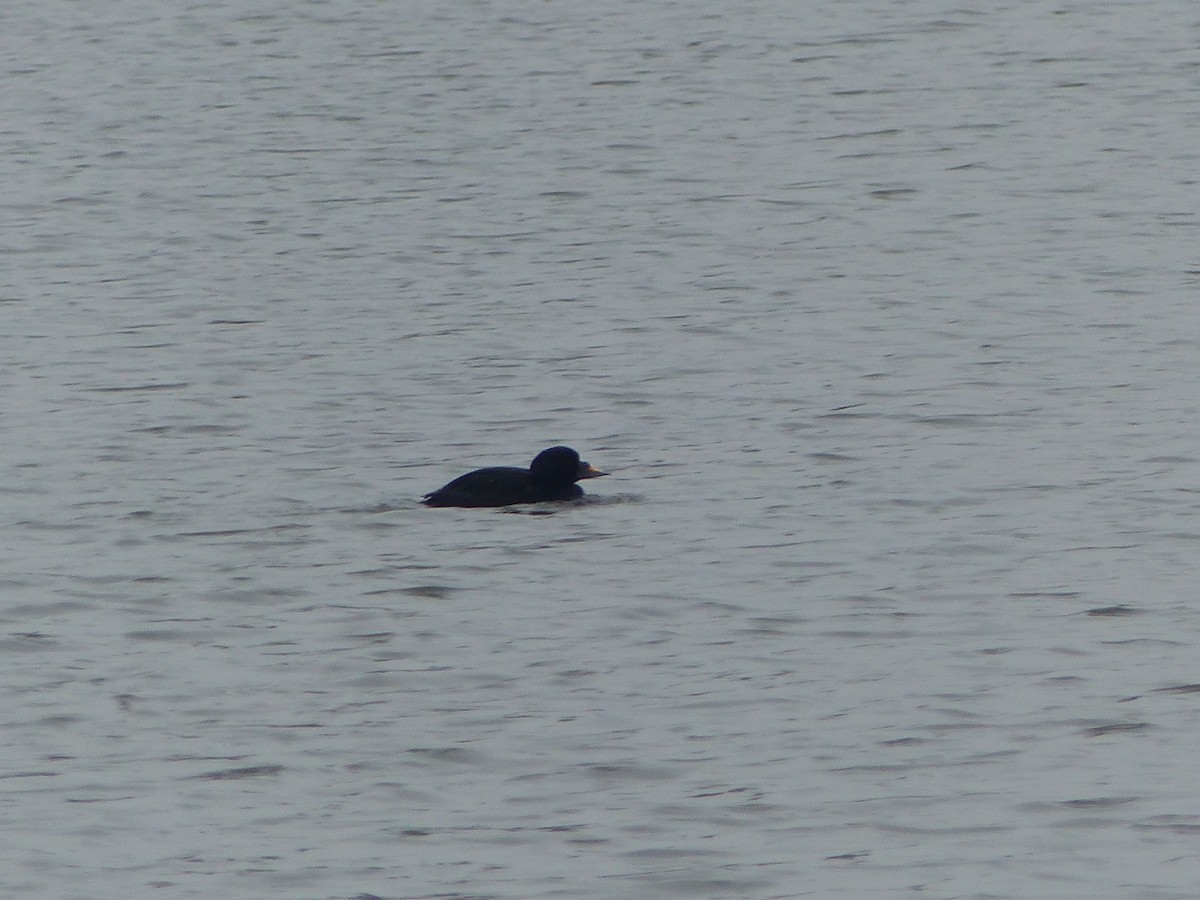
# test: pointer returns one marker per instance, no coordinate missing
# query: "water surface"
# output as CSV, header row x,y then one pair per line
x,y
879,313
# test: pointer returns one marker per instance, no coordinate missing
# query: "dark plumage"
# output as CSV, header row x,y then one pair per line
x,y
551,476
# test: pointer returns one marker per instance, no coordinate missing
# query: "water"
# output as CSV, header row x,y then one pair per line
x,y
880,313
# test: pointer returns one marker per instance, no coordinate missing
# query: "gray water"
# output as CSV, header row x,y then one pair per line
x,y
881,314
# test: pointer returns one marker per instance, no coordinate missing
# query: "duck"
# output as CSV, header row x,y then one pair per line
x,y
551,477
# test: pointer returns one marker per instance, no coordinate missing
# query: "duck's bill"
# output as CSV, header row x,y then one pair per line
x,y
586,470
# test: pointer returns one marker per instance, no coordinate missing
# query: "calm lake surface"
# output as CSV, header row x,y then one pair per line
x,y
882,315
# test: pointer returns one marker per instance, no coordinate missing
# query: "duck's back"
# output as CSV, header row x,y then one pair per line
x,y
497,486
